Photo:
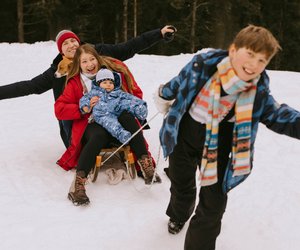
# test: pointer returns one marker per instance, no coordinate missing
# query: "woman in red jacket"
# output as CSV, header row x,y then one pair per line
x,y
89,138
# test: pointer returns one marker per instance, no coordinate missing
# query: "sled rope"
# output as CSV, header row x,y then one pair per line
x,y
133,135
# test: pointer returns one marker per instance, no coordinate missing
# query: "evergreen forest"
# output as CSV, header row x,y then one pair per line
x,y
200,23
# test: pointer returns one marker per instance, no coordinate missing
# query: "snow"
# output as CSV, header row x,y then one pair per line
x,y
35,213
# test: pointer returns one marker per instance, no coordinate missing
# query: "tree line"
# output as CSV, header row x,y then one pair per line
x,y
200,23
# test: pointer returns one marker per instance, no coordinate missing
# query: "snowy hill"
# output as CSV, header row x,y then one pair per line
x,y
35,213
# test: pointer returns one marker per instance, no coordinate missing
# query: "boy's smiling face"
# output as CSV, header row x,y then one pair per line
x,y
246,63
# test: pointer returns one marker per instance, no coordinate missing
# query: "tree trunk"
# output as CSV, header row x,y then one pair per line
x,y
20,21
134,18
224,24
117,38
193,25
125,19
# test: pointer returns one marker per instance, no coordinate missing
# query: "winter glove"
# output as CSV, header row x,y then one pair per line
x,y
161,104
141,112
169,36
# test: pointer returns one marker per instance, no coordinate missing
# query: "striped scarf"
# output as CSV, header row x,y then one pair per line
x,y
215,109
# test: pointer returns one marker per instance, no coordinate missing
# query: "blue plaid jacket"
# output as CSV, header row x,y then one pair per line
x,y
183,88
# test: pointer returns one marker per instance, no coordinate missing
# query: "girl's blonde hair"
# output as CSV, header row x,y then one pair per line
x,y
258,39
103,61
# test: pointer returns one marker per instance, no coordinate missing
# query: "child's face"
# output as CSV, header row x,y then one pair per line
x,y
247,63
108,85
88,63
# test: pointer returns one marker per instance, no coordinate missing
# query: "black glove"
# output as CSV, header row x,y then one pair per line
x,y
169,36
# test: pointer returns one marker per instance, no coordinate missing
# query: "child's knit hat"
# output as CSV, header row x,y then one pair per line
x,y
104,74
62,36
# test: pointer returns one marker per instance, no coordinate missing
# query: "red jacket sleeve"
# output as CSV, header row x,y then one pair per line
x,y
66,106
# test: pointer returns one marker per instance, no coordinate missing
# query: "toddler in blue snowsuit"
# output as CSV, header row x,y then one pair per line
x,y
112,102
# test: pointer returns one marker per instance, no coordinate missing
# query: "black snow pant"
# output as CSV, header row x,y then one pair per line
x,y
65,127
205,225
96,137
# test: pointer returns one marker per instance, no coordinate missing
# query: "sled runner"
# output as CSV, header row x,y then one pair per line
x,y
126,157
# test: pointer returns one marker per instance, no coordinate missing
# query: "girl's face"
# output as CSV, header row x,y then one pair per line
x,y
246,63
108,85
69,47
88,64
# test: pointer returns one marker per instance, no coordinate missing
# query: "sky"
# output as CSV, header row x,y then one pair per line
x,y
262,212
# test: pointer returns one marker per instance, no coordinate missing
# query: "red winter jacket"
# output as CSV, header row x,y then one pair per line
x,y
67,108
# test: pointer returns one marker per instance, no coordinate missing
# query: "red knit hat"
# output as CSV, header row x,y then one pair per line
x,y
62,36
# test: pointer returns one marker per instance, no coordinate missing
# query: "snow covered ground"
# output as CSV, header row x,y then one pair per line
x,y
35,214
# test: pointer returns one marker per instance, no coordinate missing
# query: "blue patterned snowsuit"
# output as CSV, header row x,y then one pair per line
x,y
111,105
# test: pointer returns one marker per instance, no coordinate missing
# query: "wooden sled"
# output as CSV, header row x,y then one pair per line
x,y
126,157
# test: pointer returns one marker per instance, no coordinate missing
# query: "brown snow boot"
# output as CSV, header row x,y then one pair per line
x,y
77,190
147,169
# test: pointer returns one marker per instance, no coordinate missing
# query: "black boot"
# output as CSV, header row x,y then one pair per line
x,y
175,227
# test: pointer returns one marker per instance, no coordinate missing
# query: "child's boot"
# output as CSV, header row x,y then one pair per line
x,y
77,190
147,169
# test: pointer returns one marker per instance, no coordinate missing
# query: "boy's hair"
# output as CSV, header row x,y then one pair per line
x,y
258,39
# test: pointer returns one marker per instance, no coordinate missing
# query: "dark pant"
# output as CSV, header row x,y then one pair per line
x,y
96,137
206,223
65,127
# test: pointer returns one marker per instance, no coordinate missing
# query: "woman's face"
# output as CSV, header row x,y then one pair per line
x,y
69,47
88,63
